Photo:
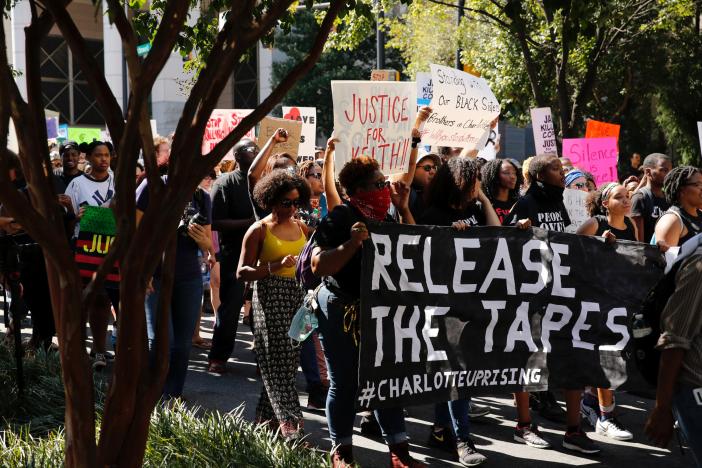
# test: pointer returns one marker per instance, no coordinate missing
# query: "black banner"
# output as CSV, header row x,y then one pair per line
x,y
447,314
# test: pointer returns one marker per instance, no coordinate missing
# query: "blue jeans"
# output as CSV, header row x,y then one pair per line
x,y
688,411
342,366
454,414
308,362
185,310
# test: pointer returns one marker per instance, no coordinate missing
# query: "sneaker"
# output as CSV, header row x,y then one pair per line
x,y
590,414
467,455
531,436
579,442
99,362
612,428
547,406
477,411
442,439
370,426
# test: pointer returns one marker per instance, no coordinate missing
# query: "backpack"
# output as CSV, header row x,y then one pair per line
x,y
303,268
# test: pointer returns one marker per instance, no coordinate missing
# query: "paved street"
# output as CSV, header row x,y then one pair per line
x,y
493,434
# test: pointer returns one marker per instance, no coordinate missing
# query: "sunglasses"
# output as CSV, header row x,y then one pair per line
x,y
428,167
317,175
381,184
287,203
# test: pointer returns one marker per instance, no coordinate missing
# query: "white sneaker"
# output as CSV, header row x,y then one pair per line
x,y
589,414
614,429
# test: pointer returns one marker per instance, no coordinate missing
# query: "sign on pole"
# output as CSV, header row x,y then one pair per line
x,y
597,156
544,134
308,117
463,107
221,123
143,49
294,128
596,129
424,89
374,118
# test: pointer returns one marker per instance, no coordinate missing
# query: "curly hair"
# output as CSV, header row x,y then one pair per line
x,y
306,167
594,200
271,188
491,179
676,180
357,172
275,159
454,182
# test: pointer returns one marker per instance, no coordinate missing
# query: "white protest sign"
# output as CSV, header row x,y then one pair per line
x,y
308,117
221,123
294,128
574,201
374,118
544,135
424,89
463,107
699,132
489,151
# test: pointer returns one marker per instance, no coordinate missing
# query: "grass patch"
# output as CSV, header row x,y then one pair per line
x,y
179,436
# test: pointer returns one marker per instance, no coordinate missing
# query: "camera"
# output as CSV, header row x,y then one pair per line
x,y
190,216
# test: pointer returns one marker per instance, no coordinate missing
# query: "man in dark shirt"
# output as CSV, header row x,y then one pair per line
x,y
648,203
70,157
232,214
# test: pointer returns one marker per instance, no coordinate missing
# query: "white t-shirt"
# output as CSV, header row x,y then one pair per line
x,y
86,191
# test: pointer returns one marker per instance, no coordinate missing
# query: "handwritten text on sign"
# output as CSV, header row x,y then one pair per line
x,y
221,123
596,129
308,117
544,134
595,155
374,118
294,128
463,107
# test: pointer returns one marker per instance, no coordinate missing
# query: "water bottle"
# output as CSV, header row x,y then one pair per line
x,y
641,327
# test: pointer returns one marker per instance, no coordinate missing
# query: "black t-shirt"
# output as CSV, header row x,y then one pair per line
x,y
650,208
416,201
334,230
622,234
442,216
543,206
502,208
230,200
67,178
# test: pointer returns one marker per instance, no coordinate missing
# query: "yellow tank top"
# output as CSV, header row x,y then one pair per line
x,y
274,249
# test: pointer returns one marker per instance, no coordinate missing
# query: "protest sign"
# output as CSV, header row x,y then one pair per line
x,y
308,117
294,128
574,201
63,131
424,89
544,134
84,135
98,229
221,123
597,156
463,107
595,129
699,133
52,127
374,118
446,314
385,75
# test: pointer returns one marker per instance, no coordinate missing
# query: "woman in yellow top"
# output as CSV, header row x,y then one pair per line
x,y
268,257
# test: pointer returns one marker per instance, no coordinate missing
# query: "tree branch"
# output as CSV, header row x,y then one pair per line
x,y
129,39
171,24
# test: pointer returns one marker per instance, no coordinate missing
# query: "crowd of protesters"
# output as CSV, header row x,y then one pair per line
x,y
250,222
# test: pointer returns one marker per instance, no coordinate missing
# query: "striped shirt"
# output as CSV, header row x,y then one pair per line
x,y
681,320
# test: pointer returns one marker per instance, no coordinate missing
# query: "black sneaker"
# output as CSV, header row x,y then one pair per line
x,y
370,426
442,438
579,442
467,455
477,411
547,406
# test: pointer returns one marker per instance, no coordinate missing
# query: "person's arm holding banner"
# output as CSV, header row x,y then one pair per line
x,y
259,163
408,177
332,194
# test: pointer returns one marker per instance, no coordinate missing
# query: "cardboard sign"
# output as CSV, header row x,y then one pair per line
x,y
384,75
544,134
84,135
294,128
221,123
597,156
463,107
574,201
595,129
425,89
374,118
308,117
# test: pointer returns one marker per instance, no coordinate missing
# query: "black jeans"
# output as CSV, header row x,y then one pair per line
x,y
36,294
231,296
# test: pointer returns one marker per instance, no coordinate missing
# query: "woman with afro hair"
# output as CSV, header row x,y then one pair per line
x,y
268,258
501,181
337,258
683,220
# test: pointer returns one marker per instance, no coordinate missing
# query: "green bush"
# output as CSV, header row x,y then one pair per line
x,y
178,436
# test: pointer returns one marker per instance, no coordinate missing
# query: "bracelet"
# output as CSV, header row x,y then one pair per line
x,y
269,269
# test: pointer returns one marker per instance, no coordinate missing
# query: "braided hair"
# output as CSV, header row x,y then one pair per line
x,y
676,180
491,179
453,182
